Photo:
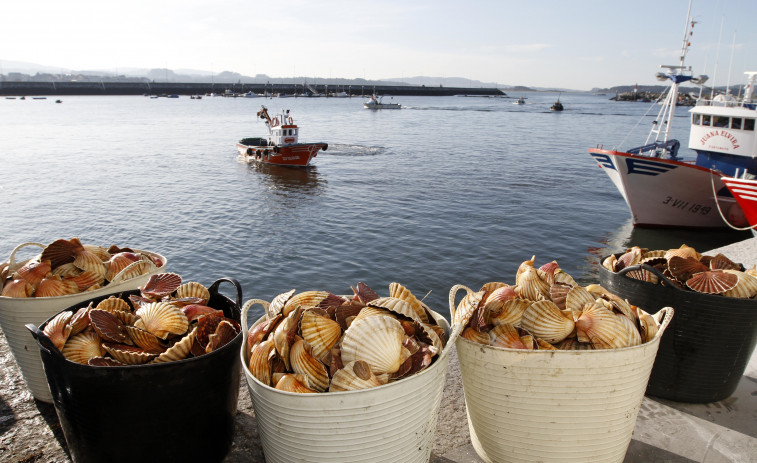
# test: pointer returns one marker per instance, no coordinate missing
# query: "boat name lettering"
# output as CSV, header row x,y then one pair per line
x,y
721,133
687,206
291,158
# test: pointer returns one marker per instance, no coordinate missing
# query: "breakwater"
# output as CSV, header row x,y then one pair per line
x,y
172,88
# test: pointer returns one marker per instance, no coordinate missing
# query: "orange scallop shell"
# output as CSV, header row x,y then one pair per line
x,y
33,272
128,355
161,285
17,288
119,262
82,347
144,339
290,383
163,319
507,336
354,376
55,286
712,282
58,329
113,304
303,362
193,289
223,335
179,350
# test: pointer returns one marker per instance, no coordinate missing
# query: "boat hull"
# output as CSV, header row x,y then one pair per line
x,y
745,192
296,155
667,193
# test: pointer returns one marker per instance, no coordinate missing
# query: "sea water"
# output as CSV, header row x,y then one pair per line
x,y
445,191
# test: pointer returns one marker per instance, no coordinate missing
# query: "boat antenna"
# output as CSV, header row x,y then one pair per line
x,y
717,59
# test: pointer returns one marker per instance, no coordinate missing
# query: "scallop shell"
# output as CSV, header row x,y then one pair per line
x,y
114,303
128,355
89,262
629,258
558,293
66,270
506,336
561,276
128,318
17,288
577,298
530,286
574,344
475,336
53,286
602,328
179,350
82,347
60,252
492,286
277,304
683,251
99,251
746,287
163,319
283,336
377,340
58,329
87,279
104,362
363,293
140,267
396,305
648,327
80,320
223,334
290,383
195,311
354,376
512,312
370,311
145,340
712,282
721,262
683,268
495,300
544,345
643,274
634,336
321,332
260,363
545,321
33,272
304,299
161,285
304,363
108,327
466,307
609,262
193,289
401,292
547,271
118,262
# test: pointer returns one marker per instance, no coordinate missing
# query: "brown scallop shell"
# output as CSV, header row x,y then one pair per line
x,y
163,319
113,304
108,327
53,286
721,262
305,299
160,285
82,347
290,383
104,362
558,293
629,258
17,288
303,362
89,262
643,274
544,320
144,339
507,336
60,252
80,320
259,363
401,292
118,262
33,272
397,306
99,251
87,279
712,282
128,355
195,311
354,376
223,335
475,336
683,268
58,329
193,289
321,332
363,293
179,350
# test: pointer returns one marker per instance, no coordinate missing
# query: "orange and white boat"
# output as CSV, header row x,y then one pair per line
x,y
282,146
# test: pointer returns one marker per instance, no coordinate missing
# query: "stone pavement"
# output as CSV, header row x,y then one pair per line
x,y
666,431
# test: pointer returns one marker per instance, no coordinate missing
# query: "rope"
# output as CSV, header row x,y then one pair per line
x,y
717,203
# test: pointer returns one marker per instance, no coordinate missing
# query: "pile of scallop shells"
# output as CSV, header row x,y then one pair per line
x,y
69,267
316,341
167,321
547,310
688,269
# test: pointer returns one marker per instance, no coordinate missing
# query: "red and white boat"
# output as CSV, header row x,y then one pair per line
x,y
282,146
745,192
663,189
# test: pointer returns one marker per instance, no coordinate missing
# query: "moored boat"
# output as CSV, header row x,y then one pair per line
x,y
663,189
376,102
744,190
557,106
282,146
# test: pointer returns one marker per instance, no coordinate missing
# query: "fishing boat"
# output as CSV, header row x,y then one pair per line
x,y
281,147
744,190
521,100
376,102
663,189
557,106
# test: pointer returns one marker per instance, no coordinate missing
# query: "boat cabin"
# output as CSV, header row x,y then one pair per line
x,y
282,130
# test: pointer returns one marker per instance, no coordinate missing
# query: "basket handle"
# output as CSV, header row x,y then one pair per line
x,y
456,328
663,317
246,308
214,290
12,265
120,275
43,341
625,270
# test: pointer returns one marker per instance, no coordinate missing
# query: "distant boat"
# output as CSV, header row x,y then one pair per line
x,y
59,101
375,102
557,106
521,100
39,98
251,94
282,146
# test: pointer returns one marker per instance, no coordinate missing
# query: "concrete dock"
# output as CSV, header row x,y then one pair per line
x,y
666,431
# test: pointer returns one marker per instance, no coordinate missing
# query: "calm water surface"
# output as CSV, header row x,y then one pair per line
x,y
446,190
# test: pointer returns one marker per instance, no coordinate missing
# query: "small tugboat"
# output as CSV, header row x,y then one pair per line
x,y
557,106
745,192
281,147
663,189
521,100
375,102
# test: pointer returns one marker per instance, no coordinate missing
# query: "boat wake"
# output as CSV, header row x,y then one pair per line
x,y
353,150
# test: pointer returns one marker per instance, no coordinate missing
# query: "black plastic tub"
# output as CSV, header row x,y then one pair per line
x,y
709,341
176,411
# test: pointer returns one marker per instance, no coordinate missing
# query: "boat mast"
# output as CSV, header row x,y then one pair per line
x,y
664,121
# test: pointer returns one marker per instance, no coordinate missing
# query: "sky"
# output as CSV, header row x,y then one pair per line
x,y
576,44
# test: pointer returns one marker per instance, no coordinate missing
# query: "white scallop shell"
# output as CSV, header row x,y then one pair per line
x,y
544,320
355,375
401,292
303,362
321,332
377,340
163,319
193,289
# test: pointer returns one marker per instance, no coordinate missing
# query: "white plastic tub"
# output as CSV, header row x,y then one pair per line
x,y
391,423
556,406
15,313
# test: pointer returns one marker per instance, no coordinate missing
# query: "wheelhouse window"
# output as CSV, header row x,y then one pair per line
x,y
720,121
706,120
696,119
749,124
736,123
